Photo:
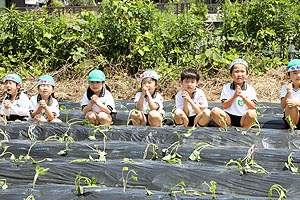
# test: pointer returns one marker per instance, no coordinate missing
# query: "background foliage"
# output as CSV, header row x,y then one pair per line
x,y
134,35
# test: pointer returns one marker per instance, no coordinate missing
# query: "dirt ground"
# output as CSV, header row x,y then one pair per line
x,y
267,87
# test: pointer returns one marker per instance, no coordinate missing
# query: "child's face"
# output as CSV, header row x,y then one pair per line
x,y
96,86
189,84
150,84
45,90
295,77
11,87
239,73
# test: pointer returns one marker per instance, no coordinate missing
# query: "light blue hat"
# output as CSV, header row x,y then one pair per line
x,y
239,61
13,77
293,65
97,75
47,80
149,74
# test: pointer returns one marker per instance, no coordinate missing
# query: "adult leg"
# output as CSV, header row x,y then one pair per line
x,y
202,118
248,118
155,118
180,117
138,118
220,117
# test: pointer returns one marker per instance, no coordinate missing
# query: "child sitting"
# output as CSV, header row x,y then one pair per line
x,y
43,106
97,102
149,102
191,103
238,99
290,94
16,103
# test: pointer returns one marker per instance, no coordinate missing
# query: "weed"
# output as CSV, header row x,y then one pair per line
x,y
39,171
89,183
184,191
280,191
197,150
3,184
154,149
290,166
290,123
127,178
101,156
212,188
249,163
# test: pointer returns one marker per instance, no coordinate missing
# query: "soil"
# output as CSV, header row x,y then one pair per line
x,y
267,87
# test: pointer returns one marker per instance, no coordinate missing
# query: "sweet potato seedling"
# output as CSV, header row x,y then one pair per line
x,y
12,156
127,178
89,183
254,124
173,156
290,123
28,157
101,156
197,150
280,191
5,138
66,111
3,184
39,171
247,164
129,119
130,161
182,190
212,188
290,166
30,197
154,149
30,133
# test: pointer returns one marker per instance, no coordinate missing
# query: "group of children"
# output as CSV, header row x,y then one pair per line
x,y
238,100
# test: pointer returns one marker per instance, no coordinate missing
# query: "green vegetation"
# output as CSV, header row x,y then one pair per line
x,y
134,35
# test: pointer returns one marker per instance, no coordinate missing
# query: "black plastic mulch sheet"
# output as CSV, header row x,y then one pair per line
x,y
272,148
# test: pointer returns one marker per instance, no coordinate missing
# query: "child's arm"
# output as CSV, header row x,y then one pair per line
x,y
187,99
48,112
152,105
103,107
36,111
289,88
23,105
140,102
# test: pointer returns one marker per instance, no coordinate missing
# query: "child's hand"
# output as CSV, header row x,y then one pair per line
x,y
238,92
290,103
145,91
289,88
186,95
7,104
94,99
43,103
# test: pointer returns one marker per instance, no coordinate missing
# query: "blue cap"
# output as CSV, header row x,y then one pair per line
x,y
47,80
239,61
97,75
149,74
13,77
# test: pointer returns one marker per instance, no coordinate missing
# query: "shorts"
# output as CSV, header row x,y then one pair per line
x,y
15,117
235,120
287,124
146,115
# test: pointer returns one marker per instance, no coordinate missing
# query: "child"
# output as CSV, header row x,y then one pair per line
x,y
44,107
97,103
149,102
238,99
191,103
290,93
16,103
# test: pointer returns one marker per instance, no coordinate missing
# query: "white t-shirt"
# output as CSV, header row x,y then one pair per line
x,y
105,98
295,94
20,106
238,107
31,2
198,98
34,104
158,99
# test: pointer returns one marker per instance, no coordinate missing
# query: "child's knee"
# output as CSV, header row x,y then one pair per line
x,y
251,114
40,118
206,112
215,111
155,115
179,113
